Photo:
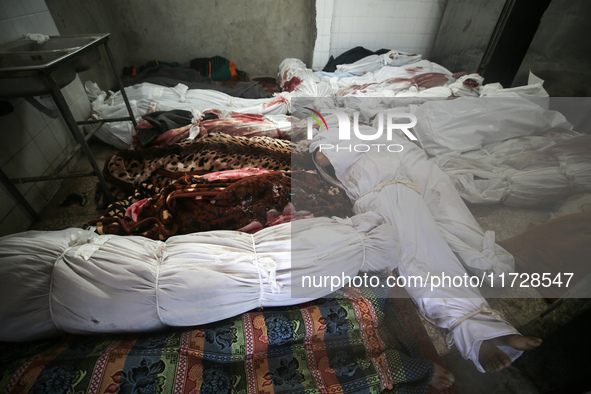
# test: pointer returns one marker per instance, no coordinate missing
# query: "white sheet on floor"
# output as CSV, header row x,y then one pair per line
x,y
79,282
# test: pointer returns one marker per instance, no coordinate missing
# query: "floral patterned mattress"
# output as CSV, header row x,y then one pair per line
x,y
354,342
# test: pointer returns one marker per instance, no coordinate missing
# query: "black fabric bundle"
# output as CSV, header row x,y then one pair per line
x,y
351,56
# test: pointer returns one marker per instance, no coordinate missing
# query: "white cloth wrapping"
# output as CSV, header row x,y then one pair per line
x,y
432,228
162,98
375,62
38,38
465,124
387,80
389,75
538,175
534,90
296,80
79,282
505,150
147,97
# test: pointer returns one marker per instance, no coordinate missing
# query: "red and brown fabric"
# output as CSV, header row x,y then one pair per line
x,y
160,166
193,204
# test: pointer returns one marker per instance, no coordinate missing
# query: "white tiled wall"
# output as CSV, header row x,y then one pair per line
x,y
406,25
31,143
324,10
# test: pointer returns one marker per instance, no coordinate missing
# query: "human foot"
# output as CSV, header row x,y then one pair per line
x,y
517,342
492,358
442,378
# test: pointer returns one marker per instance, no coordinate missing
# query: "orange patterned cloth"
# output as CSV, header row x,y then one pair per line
x,y
342,344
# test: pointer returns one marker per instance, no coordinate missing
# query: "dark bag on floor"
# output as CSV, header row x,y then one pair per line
x,y
218,69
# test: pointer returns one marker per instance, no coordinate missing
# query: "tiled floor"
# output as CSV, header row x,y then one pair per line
x,y
55,216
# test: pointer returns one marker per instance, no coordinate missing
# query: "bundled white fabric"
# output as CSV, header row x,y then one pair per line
x,y
375,62
290,68
363,170
533,89
296,79
146,97
38,38
388,73
433,226
249,125
79,282
467,86
505,150
162,98
117,134
524,171
467,123
439,91
396,74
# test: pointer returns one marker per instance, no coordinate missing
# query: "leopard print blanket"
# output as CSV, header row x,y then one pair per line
x,y
193,204
160,166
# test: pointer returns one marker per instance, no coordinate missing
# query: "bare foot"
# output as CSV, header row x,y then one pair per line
x,y
492,358
517,342
442,378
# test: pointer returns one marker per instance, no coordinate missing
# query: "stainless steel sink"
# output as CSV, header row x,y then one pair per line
x,y
25,65
29,69
20,60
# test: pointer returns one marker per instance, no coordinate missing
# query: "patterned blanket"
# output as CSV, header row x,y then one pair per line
x,y
160,166
351,343
194,203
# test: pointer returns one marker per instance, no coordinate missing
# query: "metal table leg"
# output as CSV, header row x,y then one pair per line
x,y
17,195
121,88
62,105
72,125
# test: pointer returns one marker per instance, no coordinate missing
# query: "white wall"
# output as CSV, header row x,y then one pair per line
x,y
324,15
32,144
405,25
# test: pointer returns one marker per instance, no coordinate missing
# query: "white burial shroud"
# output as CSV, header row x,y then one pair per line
x,y
437,234
79,282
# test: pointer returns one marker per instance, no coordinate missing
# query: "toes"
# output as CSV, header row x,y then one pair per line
x,y
491,366
498,363
449,376
534,342
519,342
441,383
494,366
442,378
505,362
